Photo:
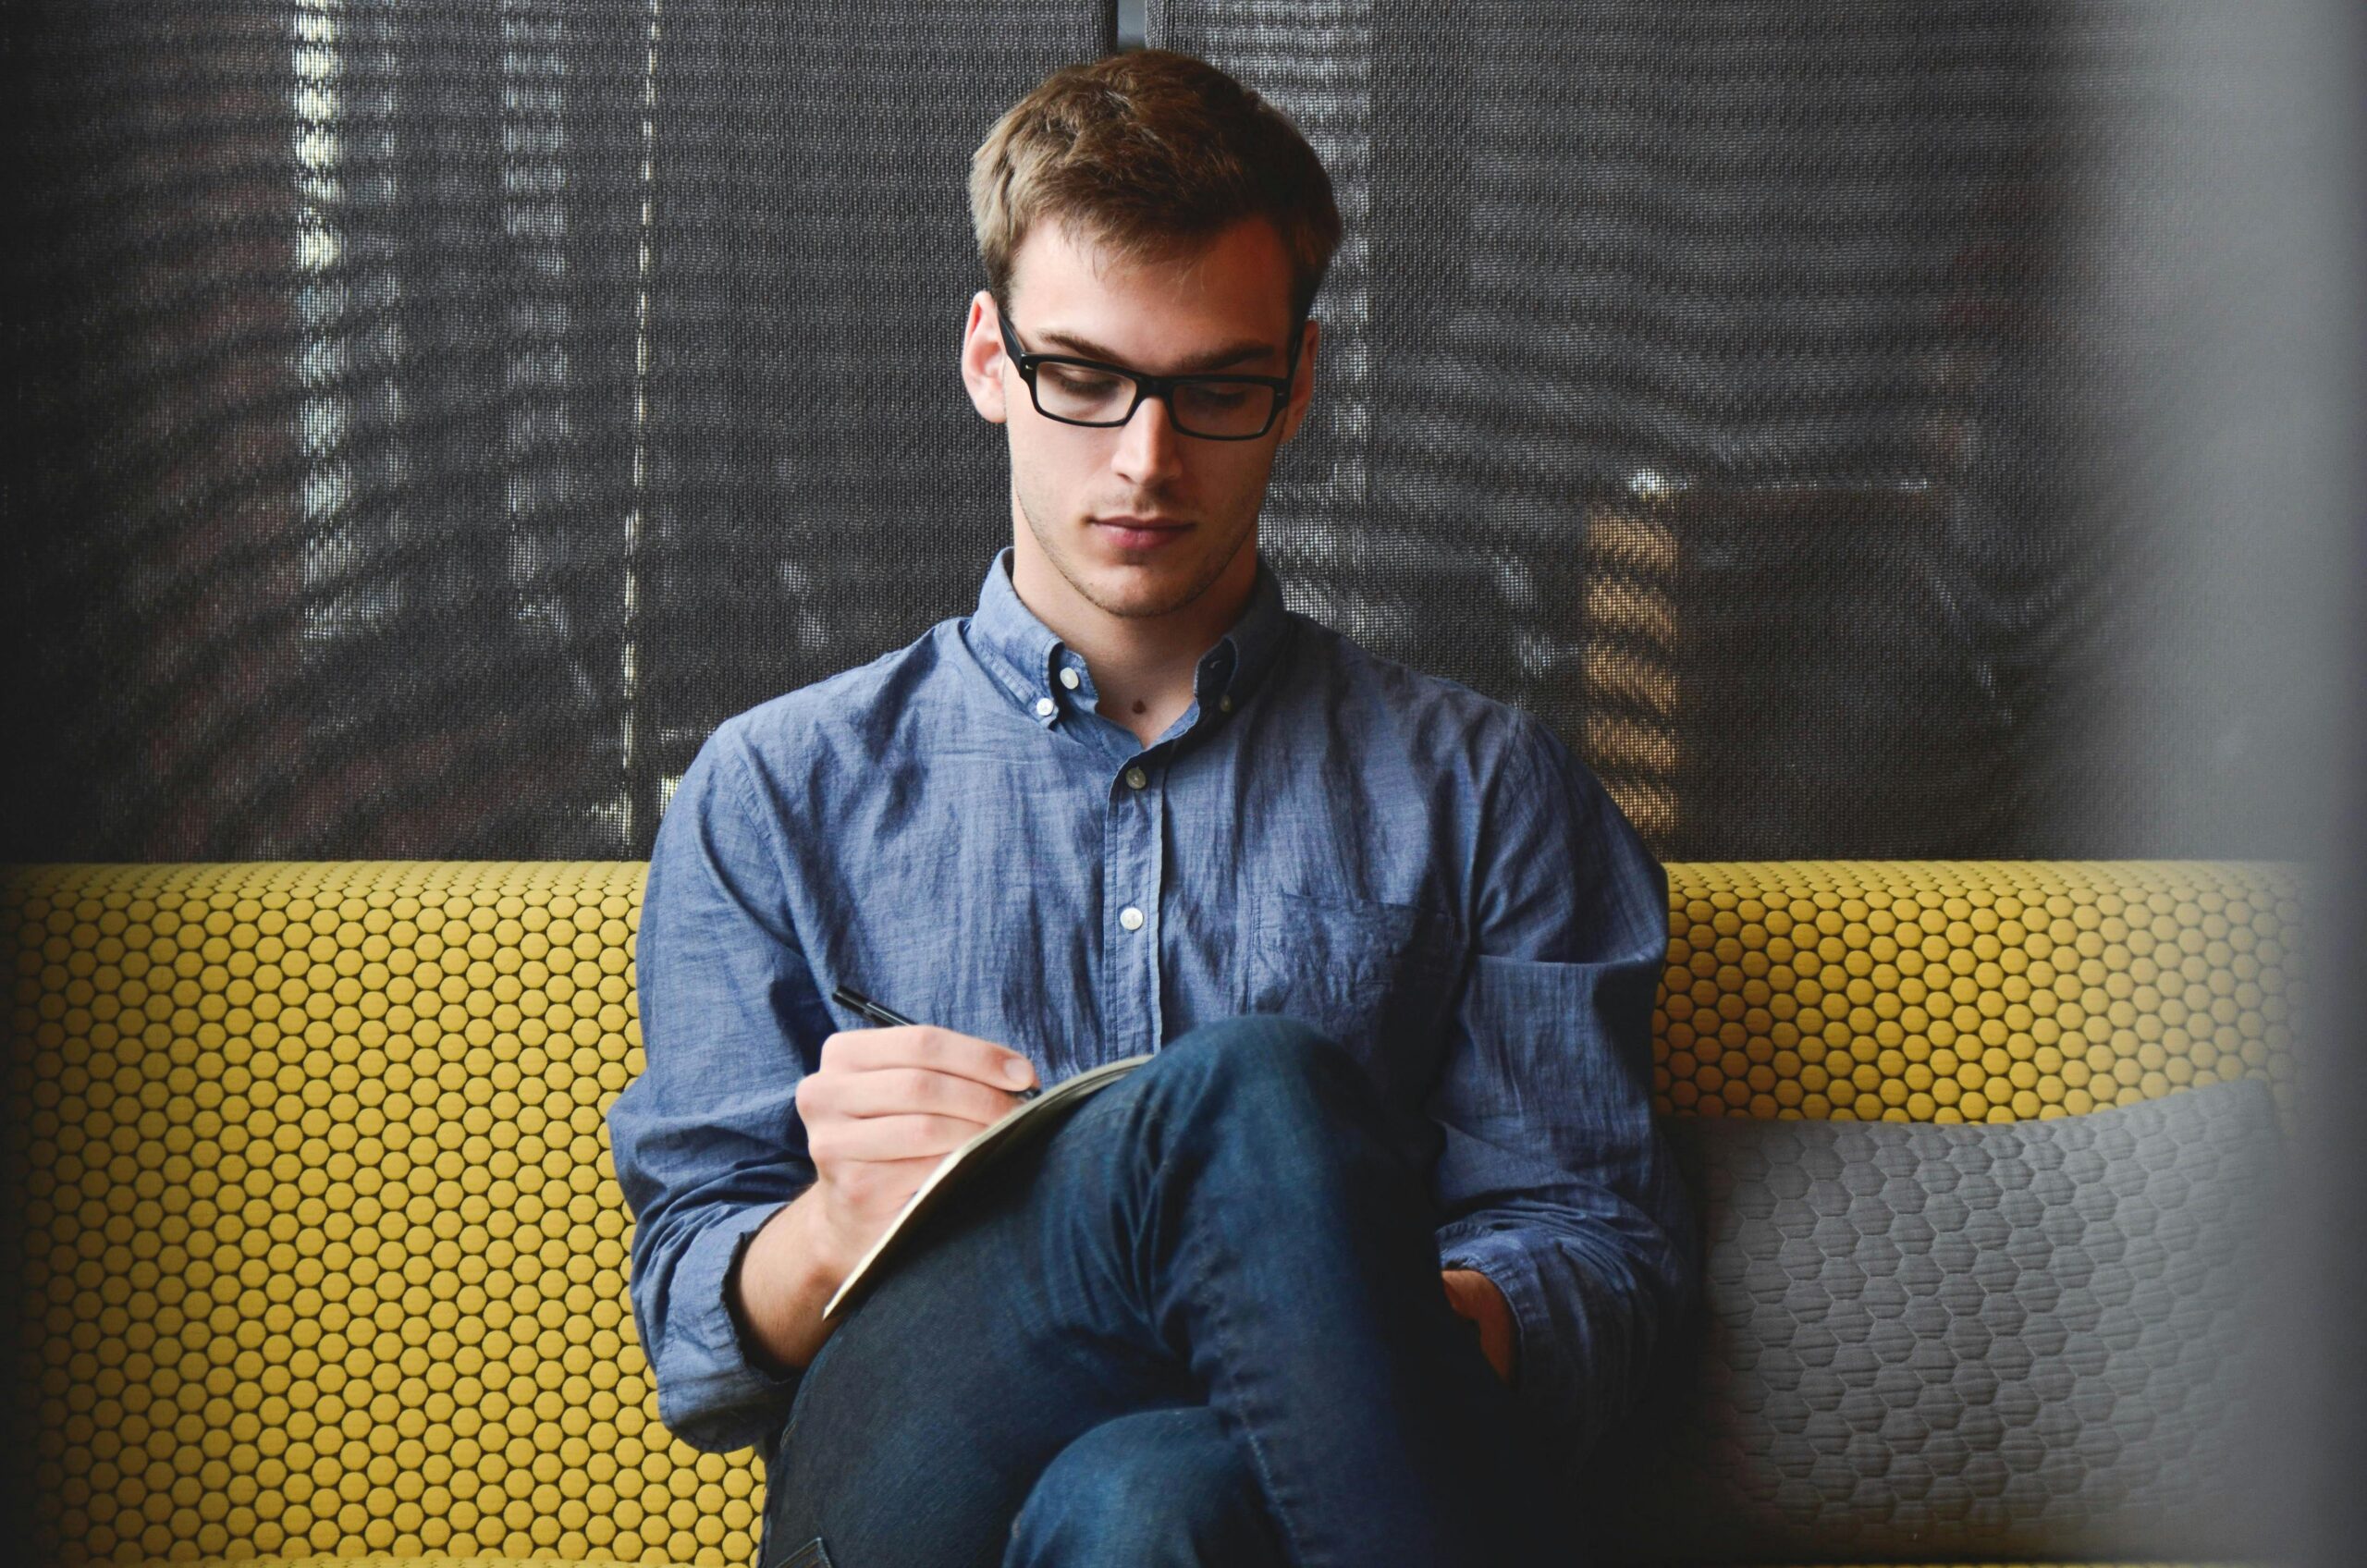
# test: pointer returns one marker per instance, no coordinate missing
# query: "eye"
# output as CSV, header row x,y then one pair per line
x,y
1225,395
1079,380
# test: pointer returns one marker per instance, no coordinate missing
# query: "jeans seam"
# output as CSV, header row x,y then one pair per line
x,y
1227,1366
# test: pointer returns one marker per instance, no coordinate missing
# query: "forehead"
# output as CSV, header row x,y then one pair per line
x,y
1231,288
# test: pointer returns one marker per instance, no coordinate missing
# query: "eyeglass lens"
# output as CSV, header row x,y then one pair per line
x,y
1222,409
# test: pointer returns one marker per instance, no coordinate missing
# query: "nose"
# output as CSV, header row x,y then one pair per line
x,y
1149,447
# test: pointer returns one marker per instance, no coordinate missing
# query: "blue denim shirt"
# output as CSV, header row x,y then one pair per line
x,y
1427,875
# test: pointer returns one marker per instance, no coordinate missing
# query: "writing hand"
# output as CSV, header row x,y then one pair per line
x,y
884,1108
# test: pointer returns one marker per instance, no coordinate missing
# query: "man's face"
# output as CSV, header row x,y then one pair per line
x,y
1138,520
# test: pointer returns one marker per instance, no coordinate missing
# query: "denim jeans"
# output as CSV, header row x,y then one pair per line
x,y
1201,1321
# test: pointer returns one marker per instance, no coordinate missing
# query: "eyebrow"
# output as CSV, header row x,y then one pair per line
x,y
1216,358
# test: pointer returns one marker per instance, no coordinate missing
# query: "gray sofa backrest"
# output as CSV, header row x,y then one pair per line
x,y
2041,1339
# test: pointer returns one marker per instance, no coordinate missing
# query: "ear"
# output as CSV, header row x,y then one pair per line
x,y
1303,384
983,360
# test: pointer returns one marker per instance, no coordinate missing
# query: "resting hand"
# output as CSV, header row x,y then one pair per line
x,y
1474,1295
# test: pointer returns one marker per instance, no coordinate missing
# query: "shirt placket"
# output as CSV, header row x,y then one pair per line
x,y
1133,877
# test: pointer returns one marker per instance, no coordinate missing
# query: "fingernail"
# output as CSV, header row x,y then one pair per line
x,y
1017,1072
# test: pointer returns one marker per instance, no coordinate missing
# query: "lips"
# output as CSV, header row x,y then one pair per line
x,y
1130,533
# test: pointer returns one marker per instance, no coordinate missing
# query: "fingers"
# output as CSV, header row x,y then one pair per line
x,y
903,1091
923,1046
883,1095
885,1106
883,1139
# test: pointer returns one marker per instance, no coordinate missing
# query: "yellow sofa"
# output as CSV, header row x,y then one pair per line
x,y
324,1253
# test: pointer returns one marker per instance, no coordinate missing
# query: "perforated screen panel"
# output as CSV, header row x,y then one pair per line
x,y
1720,373
444,416
440,418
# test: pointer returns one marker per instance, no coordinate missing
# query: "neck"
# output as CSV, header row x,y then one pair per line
x,y
1142,666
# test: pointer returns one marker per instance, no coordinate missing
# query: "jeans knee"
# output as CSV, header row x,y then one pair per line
x,y
1159,1486
1280,1090
1255,1049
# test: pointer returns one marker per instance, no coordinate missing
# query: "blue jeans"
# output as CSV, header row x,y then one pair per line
x,y
1200,1322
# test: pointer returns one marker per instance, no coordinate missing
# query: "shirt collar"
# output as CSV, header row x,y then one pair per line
x,y
1028,658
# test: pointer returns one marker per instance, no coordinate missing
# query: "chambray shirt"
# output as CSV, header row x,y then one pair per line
x,y
1425,874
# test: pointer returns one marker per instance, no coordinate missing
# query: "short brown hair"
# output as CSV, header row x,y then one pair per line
x,y
1149,152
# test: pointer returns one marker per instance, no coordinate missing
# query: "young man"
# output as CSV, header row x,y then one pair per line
x,y
1383,1233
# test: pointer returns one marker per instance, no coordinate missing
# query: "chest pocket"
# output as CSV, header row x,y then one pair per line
x,y
1375,977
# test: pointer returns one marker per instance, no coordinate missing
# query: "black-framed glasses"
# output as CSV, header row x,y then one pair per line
x,y
1099,396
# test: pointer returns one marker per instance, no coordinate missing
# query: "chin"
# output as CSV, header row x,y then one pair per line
x,y
1135,594
1128,585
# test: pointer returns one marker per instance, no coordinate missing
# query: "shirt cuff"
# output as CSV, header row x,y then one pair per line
x,y
717,1398
1505,1259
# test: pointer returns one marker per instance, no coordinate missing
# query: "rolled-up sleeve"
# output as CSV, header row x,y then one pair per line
x,y
708,1142
1554,1181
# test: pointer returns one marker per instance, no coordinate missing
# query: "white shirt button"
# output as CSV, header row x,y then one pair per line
x,y
1131,918
1046,707
1068,678
1136,778
1224,705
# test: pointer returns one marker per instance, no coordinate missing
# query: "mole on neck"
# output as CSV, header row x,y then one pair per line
x,y
1140,706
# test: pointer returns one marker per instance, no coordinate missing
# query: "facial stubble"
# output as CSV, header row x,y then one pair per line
x,y
1200,583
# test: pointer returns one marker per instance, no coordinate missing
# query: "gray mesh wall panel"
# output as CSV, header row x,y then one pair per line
x,y
440,417
1718,371
443,416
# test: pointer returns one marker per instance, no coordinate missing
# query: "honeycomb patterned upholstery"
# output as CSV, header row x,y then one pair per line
x,y
324,1254
327,1252
1970,991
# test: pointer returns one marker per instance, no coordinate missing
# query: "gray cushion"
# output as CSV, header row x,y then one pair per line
x,y
2019,1341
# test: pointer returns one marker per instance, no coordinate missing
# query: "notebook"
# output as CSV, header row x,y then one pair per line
x,y
961,1165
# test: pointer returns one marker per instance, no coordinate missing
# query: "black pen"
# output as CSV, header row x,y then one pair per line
x,y
848,997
